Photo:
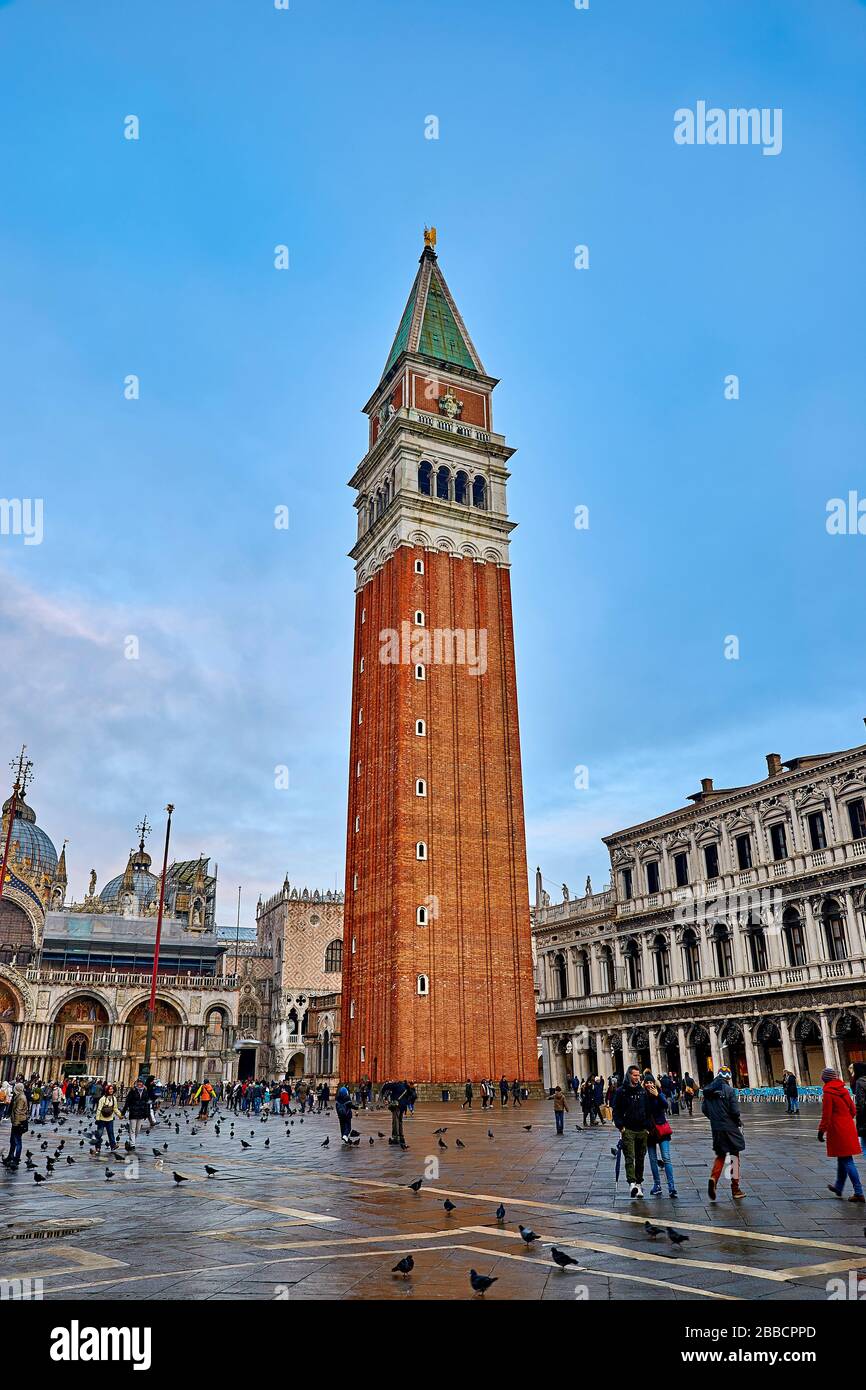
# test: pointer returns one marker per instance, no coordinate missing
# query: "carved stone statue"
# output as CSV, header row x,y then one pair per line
x,y
91,891
565,897
588,889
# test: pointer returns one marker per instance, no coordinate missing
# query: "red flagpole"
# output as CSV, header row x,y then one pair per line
x,y
151,1008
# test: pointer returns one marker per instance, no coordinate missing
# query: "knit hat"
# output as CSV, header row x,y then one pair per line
x,y
724,1071
829,1074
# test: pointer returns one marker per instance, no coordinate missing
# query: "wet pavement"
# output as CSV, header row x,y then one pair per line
x,y
287,1218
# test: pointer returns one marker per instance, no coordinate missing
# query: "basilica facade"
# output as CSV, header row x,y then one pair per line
x,y
733,931
75,978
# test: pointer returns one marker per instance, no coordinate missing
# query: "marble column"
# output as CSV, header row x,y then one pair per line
x,y
827,1045
687,1061
627,1058
547,1070
655,1054
788,1057
716,1057
752,1063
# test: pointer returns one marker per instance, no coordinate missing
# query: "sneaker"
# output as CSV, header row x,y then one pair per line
x,y
655,1192
639,1192
634,1189
673,1192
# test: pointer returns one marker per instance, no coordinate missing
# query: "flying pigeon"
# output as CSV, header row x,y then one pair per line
x,y
480,1282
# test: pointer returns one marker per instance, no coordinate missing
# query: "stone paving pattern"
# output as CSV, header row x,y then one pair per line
x,y
292,1220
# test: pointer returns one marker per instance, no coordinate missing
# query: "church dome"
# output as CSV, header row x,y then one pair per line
x,y
34,843
136,879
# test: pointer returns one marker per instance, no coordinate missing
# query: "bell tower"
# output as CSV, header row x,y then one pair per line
x,y
437,962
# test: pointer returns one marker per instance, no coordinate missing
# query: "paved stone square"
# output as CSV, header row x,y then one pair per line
x,y
289,1219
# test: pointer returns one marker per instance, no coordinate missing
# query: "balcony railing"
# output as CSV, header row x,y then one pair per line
x,y
108,978
774,978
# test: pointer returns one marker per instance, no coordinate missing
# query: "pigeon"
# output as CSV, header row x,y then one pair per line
x,y
164,1147
38,1177
560,1258
69,1160
211,1172
480,1282
245,1145
460,1144
449,1205
652,1230
267,1143
372,1140
108,1175
325,1142
527,1128
443,1130
404,1266
442,1144
500,1212
252,1133
156,1152
179,1178
416,1185
490,1134
675,1237
527,1234
380,1134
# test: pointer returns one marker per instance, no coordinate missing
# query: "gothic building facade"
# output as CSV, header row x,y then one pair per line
x,y
437,972
733,931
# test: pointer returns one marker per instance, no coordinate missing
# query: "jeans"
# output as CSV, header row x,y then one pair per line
x,y
559,1116
634,1147
108,1126
665,1146
847,1168
15,1144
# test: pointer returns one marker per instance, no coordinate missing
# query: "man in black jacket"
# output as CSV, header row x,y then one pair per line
x,y
632,1119
137,1108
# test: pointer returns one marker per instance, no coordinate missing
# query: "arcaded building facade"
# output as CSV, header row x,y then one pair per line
x,y
733,931
437,968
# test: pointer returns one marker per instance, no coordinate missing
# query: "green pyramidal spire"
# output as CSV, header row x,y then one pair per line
x,y
431,324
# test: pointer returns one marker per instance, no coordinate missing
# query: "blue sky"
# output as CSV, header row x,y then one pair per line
x,y
306,127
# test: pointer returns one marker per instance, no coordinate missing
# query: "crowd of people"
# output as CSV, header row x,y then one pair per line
x,y
641,1108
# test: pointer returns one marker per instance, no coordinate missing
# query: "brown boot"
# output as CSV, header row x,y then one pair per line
x,y
736,1191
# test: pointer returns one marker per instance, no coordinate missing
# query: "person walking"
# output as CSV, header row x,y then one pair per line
x,y
632,1118
19,1114
467,1095
722,1109
659,1137
106,1114
559,1109
792,1093
689,1089
837,1126
136,1108
586,1101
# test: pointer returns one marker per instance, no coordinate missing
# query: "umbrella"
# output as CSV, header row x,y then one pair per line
x,y
618,1163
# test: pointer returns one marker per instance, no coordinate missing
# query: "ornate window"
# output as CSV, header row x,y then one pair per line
x,y
724,951
479,493
834,931
443,484
560,975
691,954
757,940
662,959
461,488
634,965
423,984
425,478
795,942
76,1047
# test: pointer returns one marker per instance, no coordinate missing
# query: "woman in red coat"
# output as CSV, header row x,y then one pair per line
x,y
837,1124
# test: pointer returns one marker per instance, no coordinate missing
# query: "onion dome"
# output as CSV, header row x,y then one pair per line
x,y
136,878
33,843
